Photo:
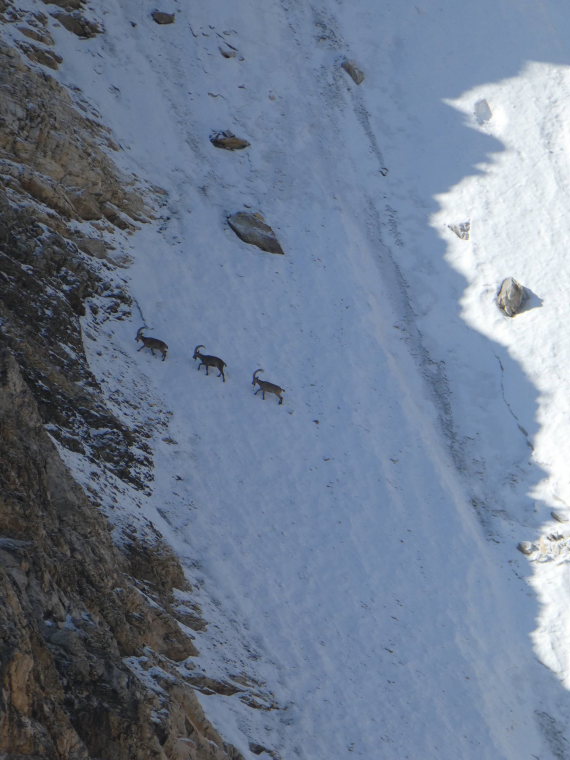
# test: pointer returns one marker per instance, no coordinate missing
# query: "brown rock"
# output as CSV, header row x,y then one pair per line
x,y
40,55
251,228
228,141
68,5
39,35
49,151
81,637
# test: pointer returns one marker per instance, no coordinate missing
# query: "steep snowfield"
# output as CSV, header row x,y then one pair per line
x,y
354,550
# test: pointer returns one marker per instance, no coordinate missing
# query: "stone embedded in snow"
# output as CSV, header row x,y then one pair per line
x,y
511,296
560,516
482,111
352,69
228,141
462,230
251,228
526,547
163,18
227,52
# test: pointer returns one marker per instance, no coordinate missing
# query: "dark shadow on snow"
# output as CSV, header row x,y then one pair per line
x,y
532,301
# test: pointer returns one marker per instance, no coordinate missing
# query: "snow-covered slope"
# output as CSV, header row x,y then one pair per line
x,y
354,550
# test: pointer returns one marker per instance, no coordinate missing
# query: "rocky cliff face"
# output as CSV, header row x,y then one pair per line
x,y
74,610
84,619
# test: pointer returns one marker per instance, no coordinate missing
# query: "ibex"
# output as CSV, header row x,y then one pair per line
x,y
210,361
151,343
264,386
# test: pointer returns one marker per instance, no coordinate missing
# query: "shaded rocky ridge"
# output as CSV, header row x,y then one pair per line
x,y
75,613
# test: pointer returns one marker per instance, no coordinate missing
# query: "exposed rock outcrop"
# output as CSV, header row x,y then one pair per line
x,y
95,650
251,228
44,333
41,55
78,628
54,154
96,646
68,5
77,23
38,34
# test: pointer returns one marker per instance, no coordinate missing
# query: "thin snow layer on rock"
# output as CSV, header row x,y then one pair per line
x,y
339,544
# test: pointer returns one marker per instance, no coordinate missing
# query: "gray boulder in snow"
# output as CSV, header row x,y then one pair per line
x,y
482,111
251,228
354,72
462,230
228,141
163,18
511,296
526,547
